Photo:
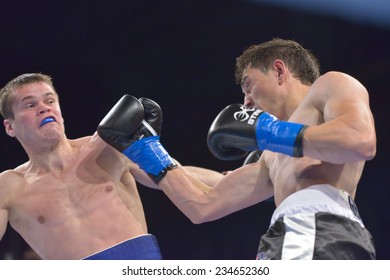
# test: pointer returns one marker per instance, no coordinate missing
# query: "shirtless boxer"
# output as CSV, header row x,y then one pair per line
x,y
73,199
314,144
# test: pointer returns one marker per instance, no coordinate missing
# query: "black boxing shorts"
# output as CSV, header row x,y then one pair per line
x,y
320,222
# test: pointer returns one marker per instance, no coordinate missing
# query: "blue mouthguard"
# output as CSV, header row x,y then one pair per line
x,y
47,120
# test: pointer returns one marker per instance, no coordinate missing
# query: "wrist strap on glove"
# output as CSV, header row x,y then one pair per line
x,y
279,136
151,157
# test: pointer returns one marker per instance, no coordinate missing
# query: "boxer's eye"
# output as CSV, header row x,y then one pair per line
x,y
247,87
29,105
51,101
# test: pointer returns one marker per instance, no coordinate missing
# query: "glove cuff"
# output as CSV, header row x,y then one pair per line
x,y
279,136
151,157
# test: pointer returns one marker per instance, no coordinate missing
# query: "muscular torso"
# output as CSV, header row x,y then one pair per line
x,y
89,205
288,174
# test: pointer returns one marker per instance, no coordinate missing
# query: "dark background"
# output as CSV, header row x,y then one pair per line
x,y
182,55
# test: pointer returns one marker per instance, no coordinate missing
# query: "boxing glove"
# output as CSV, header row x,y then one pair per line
x,y
142,144
119,126
238,129
148,152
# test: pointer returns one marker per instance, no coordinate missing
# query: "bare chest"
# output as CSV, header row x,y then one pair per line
x,y
289,174
72,193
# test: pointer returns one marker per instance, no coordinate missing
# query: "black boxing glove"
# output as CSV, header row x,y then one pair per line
x,y
148,152
238,129
142,146
119,126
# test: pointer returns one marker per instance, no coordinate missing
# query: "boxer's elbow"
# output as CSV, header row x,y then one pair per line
x,y
199,217
357,145
198,213
368,151
197,220
366,148
201,220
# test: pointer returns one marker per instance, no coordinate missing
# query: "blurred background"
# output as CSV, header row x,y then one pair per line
x,y
182,55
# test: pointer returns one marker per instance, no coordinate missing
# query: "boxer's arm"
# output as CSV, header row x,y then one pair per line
x,y
348,133
3,222
211,177
3,209
207,176
237,190
141,177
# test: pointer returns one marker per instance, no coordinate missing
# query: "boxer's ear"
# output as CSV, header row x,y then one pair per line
x,y
8,127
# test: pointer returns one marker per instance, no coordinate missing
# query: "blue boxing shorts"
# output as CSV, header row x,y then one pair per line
x,y
317,223
144,247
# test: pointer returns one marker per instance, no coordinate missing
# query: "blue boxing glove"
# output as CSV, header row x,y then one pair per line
x,y
238,129
279,136
133,127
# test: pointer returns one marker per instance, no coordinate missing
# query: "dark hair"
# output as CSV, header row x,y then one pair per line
x,y
6,97
301,62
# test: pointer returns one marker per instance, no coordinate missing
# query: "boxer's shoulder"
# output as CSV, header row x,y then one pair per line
x,y
10,181
91,142
82,140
